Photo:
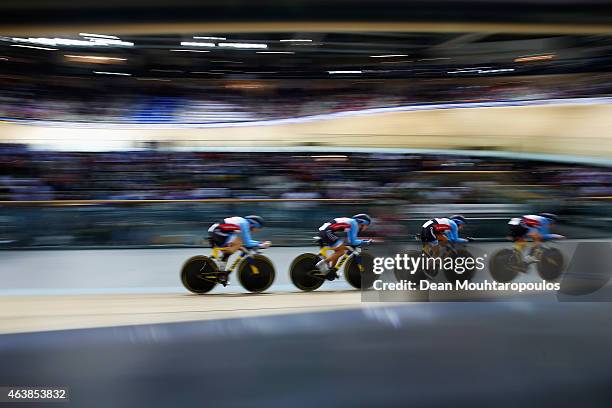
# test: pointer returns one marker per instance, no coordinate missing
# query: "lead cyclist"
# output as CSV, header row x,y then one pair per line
x,y
327,234
438,231
233,233
536,227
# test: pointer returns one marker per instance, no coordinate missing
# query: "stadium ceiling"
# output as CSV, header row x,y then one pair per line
x,y
340,38
303,55
186,16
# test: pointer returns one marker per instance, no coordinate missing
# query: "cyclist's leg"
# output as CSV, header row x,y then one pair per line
x,y
537,243
519,241
218,239
519,244
339,250
430,241
231,244
443,243
537,238
330,240
518,236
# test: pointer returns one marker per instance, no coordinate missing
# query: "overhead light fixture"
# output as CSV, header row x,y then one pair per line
x,y
296,40
189,50
242,45
94,58
197,44
275,52
91,42
535,58
491,71
112,37
34,47
388,56
344,72
211,38
330,157
111,73
482,70
242,85
109,41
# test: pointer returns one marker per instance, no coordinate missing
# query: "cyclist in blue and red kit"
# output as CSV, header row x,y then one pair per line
x,y
536,227
439,231
232,233
329,238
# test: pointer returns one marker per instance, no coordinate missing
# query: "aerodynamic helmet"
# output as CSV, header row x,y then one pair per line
x,y
362,219
550,216
256,221
459,219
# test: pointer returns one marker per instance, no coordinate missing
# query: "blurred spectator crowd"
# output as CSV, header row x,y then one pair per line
x,y
239,101
27,174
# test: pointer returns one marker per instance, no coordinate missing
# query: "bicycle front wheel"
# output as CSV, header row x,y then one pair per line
x,y
256,274
359,273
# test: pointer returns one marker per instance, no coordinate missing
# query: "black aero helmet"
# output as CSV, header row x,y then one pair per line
x,y
362,219
459,219
256,221
550,216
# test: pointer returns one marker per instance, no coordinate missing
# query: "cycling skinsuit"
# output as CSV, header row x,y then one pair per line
x,y
328,231
432,229
520,227
222,234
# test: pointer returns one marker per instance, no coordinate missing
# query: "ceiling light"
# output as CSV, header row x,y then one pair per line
x,y
111,73
98,36
242,45
211,38
95,58
344,72
189,50
535,58
91,42
36,48
197,44
388,56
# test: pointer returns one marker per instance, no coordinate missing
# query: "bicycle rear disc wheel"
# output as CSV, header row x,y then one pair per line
x,y
193,272
301,270
502,266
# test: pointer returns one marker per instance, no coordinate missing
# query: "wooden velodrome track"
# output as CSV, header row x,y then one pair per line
x,y
53,290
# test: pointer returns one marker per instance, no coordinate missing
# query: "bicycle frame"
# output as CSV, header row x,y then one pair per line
x,y
244,253
350,253
445,248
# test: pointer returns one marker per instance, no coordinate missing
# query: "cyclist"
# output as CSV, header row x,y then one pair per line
x,y
233,233
536,227
327,234
439,231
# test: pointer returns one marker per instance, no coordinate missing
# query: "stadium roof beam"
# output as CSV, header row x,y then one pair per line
x,y
284,27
